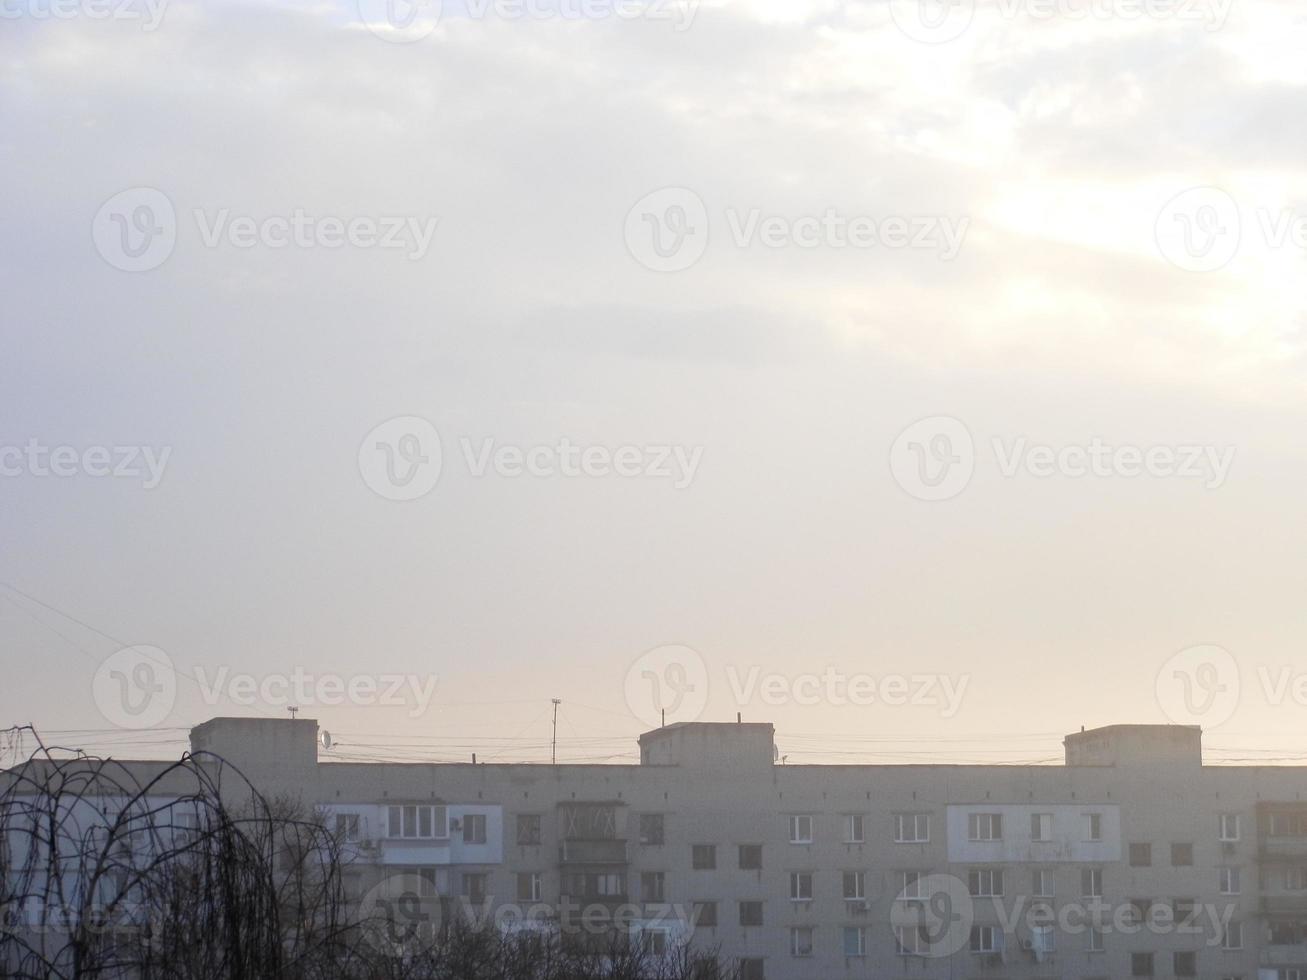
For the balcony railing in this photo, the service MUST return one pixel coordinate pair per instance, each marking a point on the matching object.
(1284, 905)
(592, 852)
(1284, 956)
(1282, 848)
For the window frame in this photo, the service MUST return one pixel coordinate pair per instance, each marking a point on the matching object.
(914, 817)
(796, 822)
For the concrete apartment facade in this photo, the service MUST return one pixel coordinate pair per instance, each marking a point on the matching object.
(1131, 859)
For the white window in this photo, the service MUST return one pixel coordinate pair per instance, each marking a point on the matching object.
(801, 941)
(185, 826)
(1042, 882)
(1041, 826)
(855, 886)
(1232, 938)
(855, 941)
(425, 880)
(853, 829)
(1093, 826)
(1295, 879)
(1228, 879)
(986, 939)
(1042, 939)
(911, 828)
(418, 822)
(1229, 826)
(911, 941)
(1091, 882)
(801, 886)
(528, 886)
(654, 941)
(910, 885)
(985, 826)
(985, 882)
(347, 827)
(800, 829)
(474, 828)
(610, 884)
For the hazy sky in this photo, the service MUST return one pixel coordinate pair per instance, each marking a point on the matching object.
(735, 253)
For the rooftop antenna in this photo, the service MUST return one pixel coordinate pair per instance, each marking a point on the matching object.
(293, 711)
(553, 745)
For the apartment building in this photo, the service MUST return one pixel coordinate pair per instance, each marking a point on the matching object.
(1130, 860)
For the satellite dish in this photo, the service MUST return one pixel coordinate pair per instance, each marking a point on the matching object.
(325, 739)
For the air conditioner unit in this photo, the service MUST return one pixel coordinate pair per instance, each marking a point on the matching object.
(455, 825)
(1027, 944)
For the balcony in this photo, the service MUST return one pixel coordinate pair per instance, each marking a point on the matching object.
(1282, 849)
(591, 902)
(1277, 956)
(609, 851)
(1284, 905)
